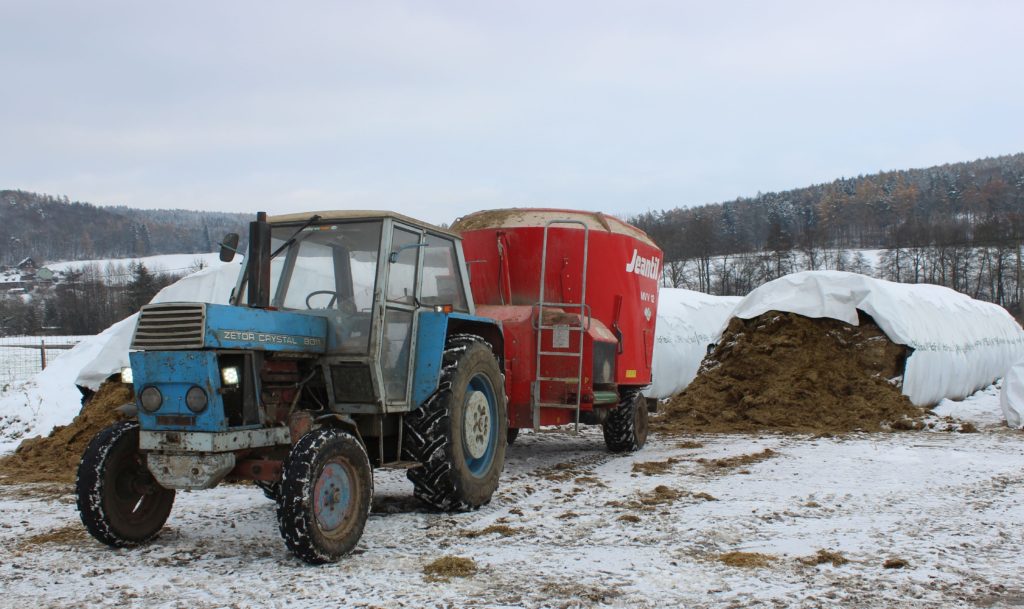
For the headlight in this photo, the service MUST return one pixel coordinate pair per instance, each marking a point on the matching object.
(126, 375)
(151, 399)
(196, 400)
(229, 375)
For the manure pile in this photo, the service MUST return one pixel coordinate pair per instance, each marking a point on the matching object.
(789, 373)
(55, 457)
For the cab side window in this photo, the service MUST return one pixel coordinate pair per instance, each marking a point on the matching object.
(402, 273)
(442, 279)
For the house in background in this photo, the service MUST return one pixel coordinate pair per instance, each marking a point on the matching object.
(27, 268)
(24, 276)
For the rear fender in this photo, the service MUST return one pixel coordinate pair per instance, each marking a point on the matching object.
(486, 328)
(431, 335)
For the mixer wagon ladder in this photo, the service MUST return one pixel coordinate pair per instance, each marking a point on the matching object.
(584, 324)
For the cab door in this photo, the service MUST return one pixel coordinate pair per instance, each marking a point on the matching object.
(404, 263)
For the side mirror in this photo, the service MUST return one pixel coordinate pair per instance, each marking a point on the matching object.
(229, 247)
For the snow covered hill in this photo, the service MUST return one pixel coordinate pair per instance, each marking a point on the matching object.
(164, 263)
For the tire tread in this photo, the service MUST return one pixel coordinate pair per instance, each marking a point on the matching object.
(428, 434)
(294, 512)
(89, 488)
(620, 430)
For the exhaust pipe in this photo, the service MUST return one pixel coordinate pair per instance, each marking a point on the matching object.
(259, 262)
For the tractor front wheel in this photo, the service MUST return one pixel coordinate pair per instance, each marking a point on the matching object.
(459, 436)
(625, 429)
(119, 501)
(324, 496)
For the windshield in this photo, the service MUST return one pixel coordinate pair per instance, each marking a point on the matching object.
(329, 268)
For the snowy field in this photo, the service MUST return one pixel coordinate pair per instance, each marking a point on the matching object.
(575, 526)
(161, 263)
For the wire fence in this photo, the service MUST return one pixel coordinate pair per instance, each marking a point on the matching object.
(22, 357)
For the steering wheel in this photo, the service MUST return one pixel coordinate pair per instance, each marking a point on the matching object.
(334, 298)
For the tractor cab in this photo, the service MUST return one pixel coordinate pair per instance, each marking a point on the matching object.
(371, 277)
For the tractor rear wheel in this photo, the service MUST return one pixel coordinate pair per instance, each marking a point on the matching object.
(325, 494)
(625, 429)
(118, 500)
(459, 436)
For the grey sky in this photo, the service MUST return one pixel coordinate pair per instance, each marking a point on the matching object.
(436, 109)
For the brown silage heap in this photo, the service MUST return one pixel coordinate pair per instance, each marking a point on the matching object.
(788, 373)
(55, 457)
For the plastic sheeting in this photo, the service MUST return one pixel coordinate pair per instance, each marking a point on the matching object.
(959, 344)
(687, 323)
(1011, 396)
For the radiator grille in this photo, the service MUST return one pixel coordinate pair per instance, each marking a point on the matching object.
(170, 326)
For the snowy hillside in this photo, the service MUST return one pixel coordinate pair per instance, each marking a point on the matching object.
(164, 263)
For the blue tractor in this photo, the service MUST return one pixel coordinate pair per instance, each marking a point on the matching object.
(351, 341)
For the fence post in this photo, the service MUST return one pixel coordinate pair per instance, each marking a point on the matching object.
(42, 352)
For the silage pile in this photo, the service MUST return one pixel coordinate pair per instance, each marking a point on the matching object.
(789, 373)
(55, 457)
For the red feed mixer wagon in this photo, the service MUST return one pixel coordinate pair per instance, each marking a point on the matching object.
(576, 294)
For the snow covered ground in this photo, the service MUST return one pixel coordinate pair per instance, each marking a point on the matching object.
(583, 528)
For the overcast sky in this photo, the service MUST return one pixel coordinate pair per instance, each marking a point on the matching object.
(436, 109)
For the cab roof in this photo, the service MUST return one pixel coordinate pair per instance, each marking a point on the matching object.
(343, 215)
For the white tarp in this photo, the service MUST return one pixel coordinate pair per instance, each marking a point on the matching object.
(959, 344)
(1011, 397)
(687, 323)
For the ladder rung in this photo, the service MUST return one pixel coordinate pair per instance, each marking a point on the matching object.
(565, 327)
(563, 353)
(557, 405)
(556, 379)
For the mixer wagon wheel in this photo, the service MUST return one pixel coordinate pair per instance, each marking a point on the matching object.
(118, 500)
(459, 435)
(625, 429)
(325, 495)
